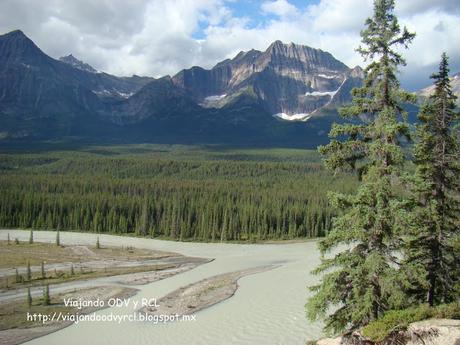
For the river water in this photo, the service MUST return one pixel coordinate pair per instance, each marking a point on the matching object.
(267, 309)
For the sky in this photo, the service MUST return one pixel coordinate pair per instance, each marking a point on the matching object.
(160, 37)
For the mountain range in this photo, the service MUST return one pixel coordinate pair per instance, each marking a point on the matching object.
(285, 95)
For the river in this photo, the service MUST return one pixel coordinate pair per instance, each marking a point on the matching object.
(267, 309)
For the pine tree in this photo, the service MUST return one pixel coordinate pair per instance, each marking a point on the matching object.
(29, 272)
(46, 295)
(144, 217)
(31, 237)
(17, 277)
(29, 298)
(357, 254)
(435, 204)
(58, 238)
(8, 239)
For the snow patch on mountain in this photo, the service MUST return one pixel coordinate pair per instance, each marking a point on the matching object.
(212, 101)
(293, 117)
(325, 93)
(108, 93)
(328, 76)
(214, 98)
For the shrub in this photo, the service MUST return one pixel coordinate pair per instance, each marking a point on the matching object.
(397, 320)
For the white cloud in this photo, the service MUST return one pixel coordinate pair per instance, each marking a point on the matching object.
(158, 37)
(334, 16)
(281, 8)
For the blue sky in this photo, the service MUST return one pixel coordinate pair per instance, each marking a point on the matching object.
(252, 11)
(160, 37)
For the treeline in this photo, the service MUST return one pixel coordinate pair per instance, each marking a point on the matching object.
(209, 200)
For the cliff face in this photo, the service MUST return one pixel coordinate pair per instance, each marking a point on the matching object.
(293, 82)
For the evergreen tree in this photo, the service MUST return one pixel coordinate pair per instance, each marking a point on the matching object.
(46, 295)
(8, 239)
(31, 237)
(435, 203)
(58, 238)
(43, 270)
(98, 244)
(17, 276)
(358, 253)
(29, 298)
(144, 218)
(29, 272)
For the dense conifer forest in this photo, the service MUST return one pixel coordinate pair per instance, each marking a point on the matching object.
(176, 192)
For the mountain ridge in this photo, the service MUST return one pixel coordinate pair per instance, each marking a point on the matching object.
(238, 100)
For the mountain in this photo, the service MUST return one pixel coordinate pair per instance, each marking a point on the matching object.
(429, 90)
(74, 62)
(292, 82)
(241, 100)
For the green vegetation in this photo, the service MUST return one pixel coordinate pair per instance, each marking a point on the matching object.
(398, 320)
(434, 206)
(29, 298)
(176, 192)
(46, 295)
(396, 243)
(360, 280)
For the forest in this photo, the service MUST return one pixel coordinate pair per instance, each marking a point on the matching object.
(174, 192)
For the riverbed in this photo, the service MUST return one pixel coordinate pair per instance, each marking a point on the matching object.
(267, 309)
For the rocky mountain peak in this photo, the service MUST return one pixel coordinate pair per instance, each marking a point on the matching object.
(310, 58)
(74, 62)
(16, 46)
(357, 72)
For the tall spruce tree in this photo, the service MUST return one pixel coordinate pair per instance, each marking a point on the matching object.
(435, 207)
(358, 270)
